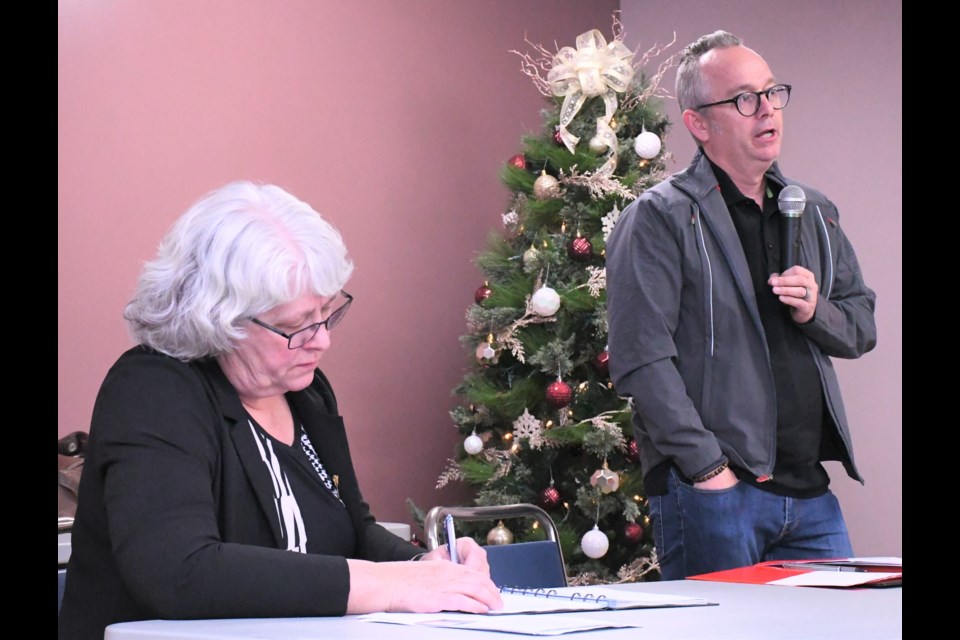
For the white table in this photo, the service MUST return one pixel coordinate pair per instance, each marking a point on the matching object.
(744, 612)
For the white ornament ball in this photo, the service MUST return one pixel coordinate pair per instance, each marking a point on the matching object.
(595, 543)
(545, 302)
(473, 444)
(647, 145)
(530, 256)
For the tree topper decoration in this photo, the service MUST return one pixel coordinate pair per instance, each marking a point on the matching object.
(594, 68)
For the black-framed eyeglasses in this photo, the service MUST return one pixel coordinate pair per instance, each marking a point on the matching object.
(748, 102)
(301, 337)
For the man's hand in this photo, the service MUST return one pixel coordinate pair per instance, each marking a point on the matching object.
(723, 480)
(796, 288)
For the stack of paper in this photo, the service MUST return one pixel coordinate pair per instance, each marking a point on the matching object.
(550, 624)
(833, 572)
(554, 605)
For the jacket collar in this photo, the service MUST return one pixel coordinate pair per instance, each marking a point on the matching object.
(237, 435)
(700, 183)
(698, 179)
(316, 406)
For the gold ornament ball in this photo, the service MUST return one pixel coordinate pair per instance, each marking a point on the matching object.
(546, 187)
(530, 256)
(500, 535)
(607, 481)
(598, 145)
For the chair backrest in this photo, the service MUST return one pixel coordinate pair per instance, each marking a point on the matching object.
(527, 565)
(61, 584)
(64, 531)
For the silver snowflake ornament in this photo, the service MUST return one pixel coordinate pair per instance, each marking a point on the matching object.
(528, 427)
(609, 221)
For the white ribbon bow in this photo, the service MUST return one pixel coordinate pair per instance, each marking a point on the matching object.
(594, 68)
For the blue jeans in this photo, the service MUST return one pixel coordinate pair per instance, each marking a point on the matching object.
(699, 531)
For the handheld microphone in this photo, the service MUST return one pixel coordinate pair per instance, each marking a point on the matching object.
(792, 202)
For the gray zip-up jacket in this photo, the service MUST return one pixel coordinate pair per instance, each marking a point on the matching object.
(686, 340)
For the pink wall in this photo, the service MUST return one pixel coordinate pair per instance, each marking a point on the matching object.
(843, 134)
(391, 118)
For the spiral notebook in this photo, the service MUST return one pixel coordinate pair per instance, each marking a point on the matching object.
(554, 604)
(587, 599)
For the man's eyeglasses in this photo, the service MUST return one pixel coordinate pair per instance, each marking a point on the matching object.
(748, 102)
(301, 337)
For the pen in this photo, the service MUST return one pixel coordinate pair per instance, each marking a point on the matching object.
(822, 567)
(451, 539)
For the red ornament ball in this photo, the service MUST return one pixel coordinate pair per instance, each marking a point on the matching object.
(559, 394)
(602, 362)
(580, 249)
(518, 161)
(557, 137)
(632, 532)
(549, 497)
(482, 293)
(633, 451)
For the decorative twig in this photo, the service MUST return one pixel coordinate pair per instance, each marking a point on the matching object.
(508, 337)
(532, 66)
(652, 88)
(597, 281)
(599, 184)
(452, 473)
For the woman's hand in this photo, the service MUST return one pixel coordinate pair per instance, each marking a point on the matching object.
(430, 585)
(470, 553)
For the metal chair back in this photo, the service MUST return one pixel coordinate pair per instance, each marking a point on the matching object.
(527, 565)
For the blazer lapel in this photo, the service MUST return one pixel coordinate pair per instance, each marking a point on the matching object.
(240, 441)
(328, 435)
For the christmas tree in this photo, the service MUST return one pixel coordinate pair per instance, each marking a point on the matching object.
(541, 419)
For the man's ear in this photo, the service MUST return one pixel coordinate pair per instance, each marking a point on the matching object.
(696, 124)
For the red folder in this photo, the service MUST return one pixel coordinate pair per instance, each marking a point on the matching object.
(832, 572)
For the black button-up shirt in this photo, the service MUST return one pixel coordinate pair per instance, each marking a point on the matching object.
(800, 404)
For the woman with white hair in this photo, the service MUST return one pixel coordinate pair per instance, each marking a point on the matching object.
(218, 481)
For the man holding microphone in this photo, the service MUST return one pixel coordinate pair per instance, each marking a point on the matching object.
(729, 289)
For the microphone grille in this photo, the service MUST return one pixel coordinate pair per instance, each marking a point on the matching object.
(792, 201)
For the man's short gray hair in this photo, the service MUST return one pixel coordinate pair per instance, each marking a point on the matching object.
(236, 253)
(691, 88)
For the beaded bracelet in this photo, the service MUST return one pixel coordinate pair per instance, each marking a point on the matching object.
(711, 474)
